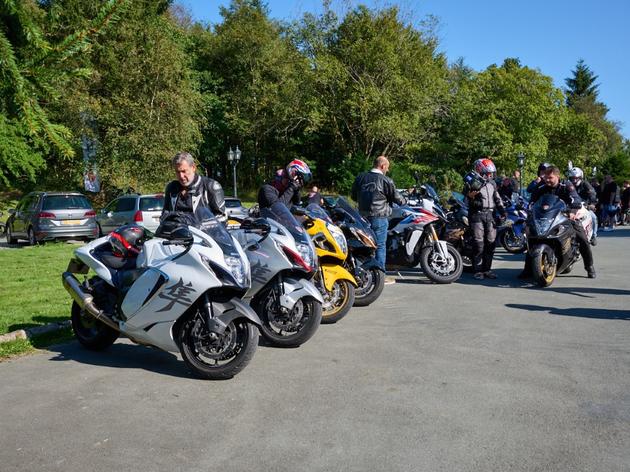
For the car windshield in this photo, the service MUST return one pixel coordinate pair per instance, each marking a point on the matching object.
(66, 202)
(232, 203)
(151, 203)
(280, 213)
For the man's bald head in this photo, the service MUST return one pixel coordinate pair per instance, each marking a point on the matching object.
(381, 163)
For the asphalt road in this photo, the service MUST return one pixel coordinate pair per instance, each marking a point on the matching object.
(480, 376)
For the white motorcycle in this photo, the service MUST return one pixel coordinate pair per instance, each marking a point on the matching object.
(282, 259)
(181, 295)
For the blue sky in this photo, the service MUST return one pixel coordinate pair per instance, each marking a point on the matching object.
(548, 35)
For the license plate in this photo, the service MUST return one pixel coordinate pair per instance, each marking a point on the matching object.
(70, 222)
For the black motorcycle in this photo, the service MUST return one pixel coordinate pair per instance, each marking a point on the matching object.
(552, 245)
(361, 250)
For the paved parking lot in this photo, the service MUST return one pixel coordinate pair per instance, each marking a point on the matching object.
(492, 375)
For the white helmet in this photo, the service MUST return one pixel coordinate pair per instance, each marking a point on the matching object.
(576, 175)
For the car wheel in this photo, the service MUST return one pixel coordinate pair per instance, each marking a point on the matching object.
(32, 240)
(9, 233)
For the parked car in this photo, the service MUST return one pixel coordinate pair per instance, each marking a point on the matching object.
(144, 210)
(45, 216)
(234, 207)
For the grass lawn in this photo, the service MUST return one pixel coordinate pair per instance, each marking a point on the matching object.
(31, 293)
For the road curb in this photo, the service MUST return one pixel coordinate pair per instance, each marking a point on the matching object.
(29, 333)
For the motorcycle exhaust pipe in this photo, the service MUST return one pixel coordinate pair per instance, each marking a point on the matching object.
(86, 301)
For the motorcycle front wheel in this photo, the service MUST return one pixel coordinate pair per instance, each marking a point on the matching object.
(288, 329)
(512, 243)
(214, 356)
(543, 269)
(337, 302)
(439, 269)
(370, 286)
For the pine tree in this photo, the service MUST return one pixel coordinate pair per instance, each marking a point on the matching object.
(582, 85)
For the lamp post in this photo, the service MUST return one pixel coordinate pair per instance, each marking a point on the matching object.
(521, 163)
(594, 172)
(233, 158)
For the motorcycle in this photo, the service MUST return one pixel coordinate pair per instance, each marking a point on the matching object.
(413, 238)
(181, 294)
(333, 280)
(511, 232)
(551, 240)
(362, 249)
(282, 260)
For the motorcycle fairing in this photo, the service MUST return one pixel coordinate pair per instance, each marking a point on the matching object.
(334, 272)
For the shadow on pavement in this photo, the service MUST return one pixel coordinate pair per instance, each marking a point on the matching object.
(124, 356)
(595, 313)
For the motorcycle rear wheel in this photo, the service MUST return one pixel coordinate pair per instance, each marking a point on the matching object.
(91, 333)
(212, 356)
(291, 329)
(438, 270)
(338, 302)
(543, 271)
(371, 283)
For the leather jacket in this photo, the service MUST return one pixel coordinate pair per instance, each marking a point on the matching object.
(375, 193)
(202, 191)
(565, 190)
(487, 199)
(587, 193)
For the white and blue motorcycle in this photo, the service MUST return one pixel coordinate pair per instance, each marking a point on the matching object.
(182, 294)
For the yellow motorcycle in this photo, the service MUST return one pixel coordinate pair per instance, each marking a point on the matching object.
(335, 283)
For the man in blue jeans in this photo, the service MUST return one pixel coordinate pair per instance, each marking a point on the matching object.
(375, 193)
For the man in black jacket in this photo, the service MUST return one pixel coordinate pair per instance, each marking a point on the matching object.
(375, 193)
(564, 190)
(191, 190)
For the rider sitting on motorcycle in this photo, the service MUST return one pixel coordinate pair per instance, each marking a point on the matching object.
(482, 200)
(286, 185)
(587, 194)
(564, 190)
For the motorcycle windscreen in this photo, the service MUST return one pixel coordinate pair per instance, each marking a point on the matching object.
(315, 211)
(356, 219)
(207, 223)
(548, 206)
(280, 213)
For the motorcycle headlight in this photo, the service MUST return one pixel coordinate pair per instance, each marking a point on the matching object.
(339, 237)
(543, 225)
(306, 253)
(237, 268)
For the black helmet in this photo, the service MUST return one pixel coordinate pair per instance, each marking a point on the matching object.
(543, 167)
(127, 240)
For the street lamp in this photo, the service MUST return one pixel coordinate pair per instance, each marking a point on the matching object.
(233, 158)
(521, 163)
(594, 172)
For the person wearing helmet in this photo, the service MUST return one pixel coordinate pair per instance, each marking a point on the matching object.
(587, 194)
(375, 193)
(565, 190)
(191, 190)
(286, 185)
(540, 175)
(483, 199)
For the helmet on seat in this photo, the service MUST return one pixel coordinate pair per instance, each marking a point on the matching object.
(576, 175)
(127, 240)
(484, 167)
(299, 169)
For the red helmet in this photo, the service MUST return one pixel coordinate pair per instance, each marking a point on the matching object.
(298, 168)
(127, 240)
(484, 166)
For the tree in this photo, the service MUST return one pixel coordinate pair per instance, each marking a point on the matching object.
(35, 72)
(582, 85)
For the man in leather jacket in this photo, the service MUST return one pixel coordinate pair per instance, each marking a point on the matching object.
(375, 193)
(564, 190)
(191, 190)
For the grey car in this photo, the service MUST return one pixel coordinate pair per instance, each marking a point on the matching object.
(144, 210)
(234, 207)
(46, 216)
